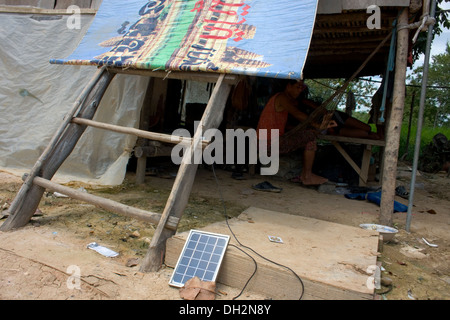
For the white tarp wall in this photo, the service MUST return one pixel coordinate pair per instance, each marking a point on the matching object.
(28, 122)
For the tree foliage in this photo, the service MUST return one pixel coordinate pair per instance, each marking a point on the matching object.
(442, 22)
(437, 103)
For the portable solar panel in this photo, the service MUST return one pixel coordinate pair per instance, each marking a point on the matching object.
(201, 257)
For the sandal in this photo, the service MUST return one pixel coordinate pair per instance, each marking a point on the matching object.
(401, 192)
(356, 196)
(266, 186)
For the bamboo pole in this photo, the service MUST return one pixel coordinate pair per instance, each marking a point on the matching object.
(106, 204)
(395, 123)
(181, 75)
(167, 138)
(144, 124)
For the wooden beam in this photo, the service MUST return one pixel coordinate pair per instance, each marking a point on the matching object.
(62, 144)
(363, 171)
(64, 4)
(344, 51)
(181, 75)
(347, 157)
(360, 29)
(352, 16)
(394, 124)
(365, 163)
(141, 165)
(178, 198)
(33, 10)
(372, 142)
(167, 138)
(350, 40)
(107, 204)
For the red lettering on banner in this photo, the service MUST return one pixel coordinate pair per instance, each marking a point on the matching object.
(225, 22)
(230, 13)
(239, 34)
(245, 10)
(219, 2)
(199, 5)
(211, 28)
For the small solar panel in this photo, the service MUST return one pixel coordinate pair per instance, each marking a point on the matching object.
(201, 257)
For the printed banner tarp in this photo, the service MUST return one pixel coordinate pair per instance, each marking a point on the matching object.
(253, 37)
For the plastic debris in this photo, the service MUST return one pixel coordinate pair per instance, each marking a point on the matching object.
(102, 250)
(275, 239)
(60, 195)
(430, 244)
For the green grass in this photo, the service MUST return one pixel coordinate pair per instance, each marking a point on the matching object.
(426, 137)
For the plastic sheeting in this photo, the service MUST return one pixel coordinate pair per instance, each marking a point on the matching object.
(251, 37)
(35, 96)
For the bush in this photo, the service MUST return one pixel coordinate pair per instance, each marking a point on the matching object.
(426, 137)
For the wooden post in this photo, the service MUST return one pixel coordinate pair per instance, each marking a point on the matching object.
(27, 200)
(181, 189)
(144, 125)
(395, 123)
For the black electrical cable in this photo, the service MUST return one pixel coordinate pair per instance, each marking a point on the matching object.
(237, 240)
(253, 274)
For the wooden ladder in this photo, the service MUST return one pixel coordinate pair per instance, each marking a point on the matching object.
(75, 123)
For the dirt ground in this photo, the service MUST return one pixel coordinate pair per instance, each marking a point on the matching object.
(48, 259)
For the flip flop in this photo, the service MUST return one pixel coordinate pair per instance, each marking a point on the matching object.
(266, 186)
(401, 192)
(237, 176)
(356, 196)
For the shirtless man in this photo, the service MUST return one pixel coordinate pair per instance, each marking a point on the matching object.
(275, 116)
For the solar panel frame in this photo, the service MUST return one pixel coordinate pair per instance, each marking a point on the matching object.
(201, 256)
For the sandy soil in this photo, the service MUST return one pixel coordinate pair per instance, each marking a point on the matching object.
(43, 259)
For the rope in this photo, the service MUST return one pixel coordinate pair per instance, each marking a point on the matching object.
(339, 92)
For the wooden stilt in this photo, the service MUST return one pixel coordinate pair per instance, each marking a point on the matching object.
(394, 124)
(181, 189)
(27, 200)
(141, 165)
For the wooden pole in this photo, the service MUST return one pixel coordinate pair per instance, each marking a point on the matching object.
(180, 75)
(141, 165)
(27, 200)
(395, 123)
(167, 138)
(106, 204)
(182, 186)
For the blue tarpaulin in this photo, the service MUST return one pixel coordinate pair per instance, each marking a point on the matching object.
(251, 37)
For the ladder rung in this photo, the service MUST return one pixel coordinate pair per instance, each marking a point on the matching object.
(107, 204)
(139, 133)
